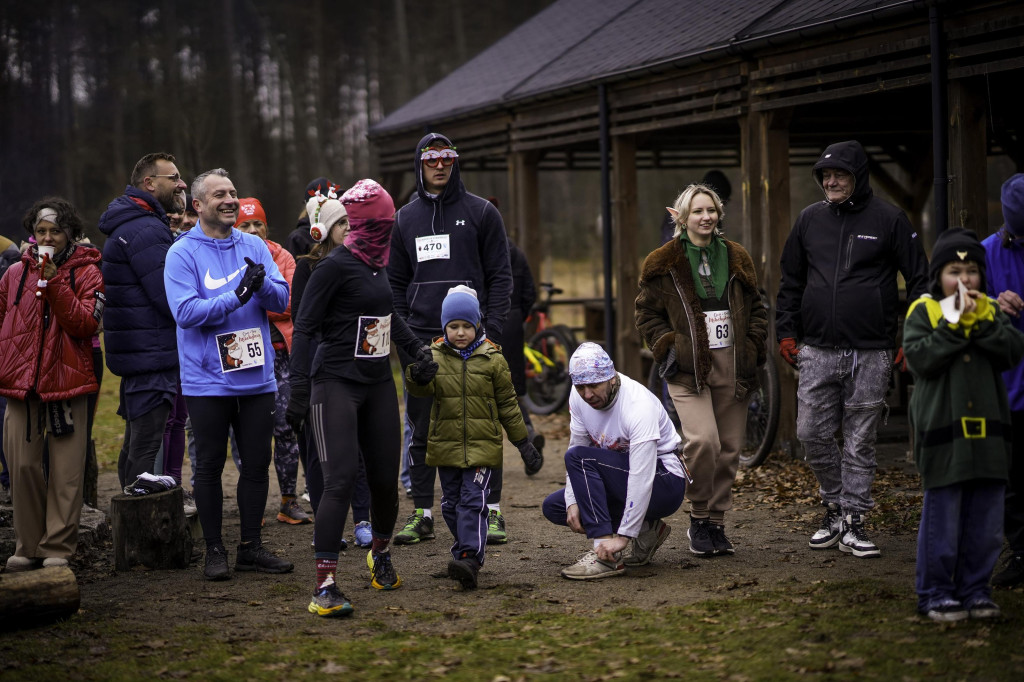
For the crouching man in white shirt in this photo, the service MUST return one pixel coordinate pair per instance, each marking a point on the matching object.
(622, 471)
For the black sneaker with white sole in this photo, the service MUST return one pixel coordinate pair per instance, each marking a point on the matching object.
(828, 534)
(718, 539)
(854, 539)
(700, 537)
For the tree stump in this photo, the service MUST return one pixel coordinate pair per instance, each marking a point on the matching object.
(150, 530)
(38, 597)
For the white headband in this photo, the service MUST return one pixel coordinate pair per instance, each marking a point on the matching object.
(47, 214)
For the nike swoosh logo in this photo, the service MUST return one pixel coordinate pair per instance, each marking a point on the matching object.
(218, 282)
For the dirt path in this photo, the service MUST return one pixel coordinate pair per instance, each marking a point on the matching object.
(774, 514)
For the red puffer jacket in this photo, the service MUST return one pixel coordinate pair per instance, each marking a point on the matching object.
(46, 341)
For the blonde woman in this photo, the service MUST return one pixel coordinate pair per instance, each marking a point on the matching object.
(700, 312)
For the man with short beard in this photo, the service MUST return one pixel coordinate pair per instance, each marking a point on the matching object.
(138, 326)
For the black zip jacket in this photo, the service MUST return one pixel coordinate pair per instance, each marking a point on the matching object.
(838, 287)
(479, 254)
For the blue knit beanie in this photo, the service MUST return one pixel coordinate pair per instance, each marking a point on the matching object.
(1012, 198)
(461, 303)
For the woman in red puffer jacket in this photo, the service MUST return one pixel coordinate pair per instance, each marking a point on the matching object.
(50, 306)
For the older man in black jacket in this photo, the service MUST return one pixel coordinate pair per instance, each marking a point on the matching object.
(836, 320)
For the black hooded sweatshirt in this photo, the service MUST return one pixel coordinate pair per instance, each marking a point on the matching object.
(478, 253)
(839, 264)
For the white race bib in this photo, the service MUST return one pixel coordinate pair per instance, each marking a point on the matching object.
(433, 247)
(720, 333)
(242, 349)
(373, 338)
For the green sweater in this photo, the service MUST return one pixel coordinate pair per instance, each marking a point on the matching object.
(473, 399)
(959, 412)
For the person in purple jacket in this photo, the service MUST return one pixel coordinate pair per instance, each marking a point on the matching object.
(1004, 262)
(220, 284)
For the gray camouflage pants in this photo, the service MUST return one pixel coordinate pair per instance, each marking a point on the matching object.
(842, 387)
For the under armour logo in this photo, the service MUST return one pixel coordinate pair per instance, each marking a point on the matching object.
(460, 222)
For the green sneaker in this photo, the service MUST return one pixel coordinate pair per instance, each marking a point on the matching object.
(496, 534)
(417, 528)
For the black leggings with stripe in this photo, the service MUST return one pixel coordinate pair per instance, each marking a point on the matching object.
(346, 417)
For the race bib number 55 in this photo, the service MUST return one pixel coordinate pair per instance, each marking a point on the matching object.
(241, 349)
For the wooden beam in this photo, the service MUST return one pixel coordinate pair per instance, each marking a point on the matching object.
(625, 226)
(968, 148)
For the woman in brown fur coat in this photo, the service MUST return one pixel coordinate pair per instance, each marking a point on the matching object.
(700, 312)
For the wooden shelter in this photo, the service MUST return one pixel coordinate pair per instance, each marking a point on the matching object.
(758, 84)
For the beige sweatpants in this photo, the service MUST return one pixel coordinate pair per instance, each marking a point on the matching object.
(714, 426)
(46, 513)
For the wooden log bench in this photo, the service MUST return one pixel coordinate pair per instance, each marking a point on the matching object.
(150, 530)
(39, 597)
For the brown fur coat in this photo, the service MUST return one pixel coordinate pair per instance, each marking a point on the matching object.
(668, 315)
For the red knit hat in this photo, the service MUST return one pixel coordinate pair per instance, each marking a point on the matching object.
(250, 208)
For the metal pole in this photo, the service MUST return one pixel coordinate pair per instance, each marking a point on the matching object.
(940, 135)
(606, 222)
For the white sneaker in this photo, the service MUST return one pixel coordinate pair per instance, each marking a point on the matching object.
(189, 503)
(589, 567)
(54, 561)
(20, 563)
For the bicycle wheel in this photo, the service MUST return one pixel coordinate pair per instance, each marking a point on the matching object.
(571, 344)
(762, 417)
(547, 390)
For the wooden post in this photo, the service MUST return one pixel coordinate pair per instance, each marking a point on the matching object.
(625, 227)
(751, 233)
(523, 224)
(150, 530)
(32, 598)
(968, 155)
(765, 139)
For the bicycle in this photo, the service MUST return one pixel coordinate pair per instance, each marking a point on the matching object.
(547, 355)
(762, 410)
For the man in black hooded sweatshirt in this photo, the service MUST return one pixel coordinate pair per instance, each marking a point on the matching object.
(836, 320)
(443, 237)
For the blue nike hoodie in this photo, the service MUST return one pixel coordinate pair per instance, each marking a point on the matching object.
(200, 277)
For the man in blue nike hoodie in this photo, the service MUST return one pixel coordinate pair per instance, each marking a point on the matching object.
(442, 238)
(220, 284)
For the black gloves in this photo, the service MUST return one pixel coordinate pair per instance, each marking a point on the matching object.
(298, 407)
(669, 367)
(532, 459)
(424, 369)
(251, 282)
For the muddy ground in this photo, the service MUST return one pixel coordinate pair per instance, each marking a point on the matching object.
(775, 512)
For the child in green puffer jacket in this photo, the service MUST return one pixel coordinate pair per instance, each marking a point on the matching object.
(473, 400)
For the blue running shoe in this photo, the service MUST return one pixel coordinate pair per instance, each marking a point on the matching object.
(364, 534)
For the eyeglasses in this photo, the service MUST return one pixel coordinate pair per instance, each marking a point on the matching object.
(174, 178)
(433, 157)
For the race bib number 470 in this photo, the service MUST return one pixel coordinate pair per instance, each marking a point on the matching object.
(432, 247)
(241, 349)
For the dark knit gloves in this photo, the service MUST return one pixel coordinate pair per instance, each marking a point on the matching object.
(668, 367)
(424, 369)
(532, 459)
(298, 407)
(251, 282)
